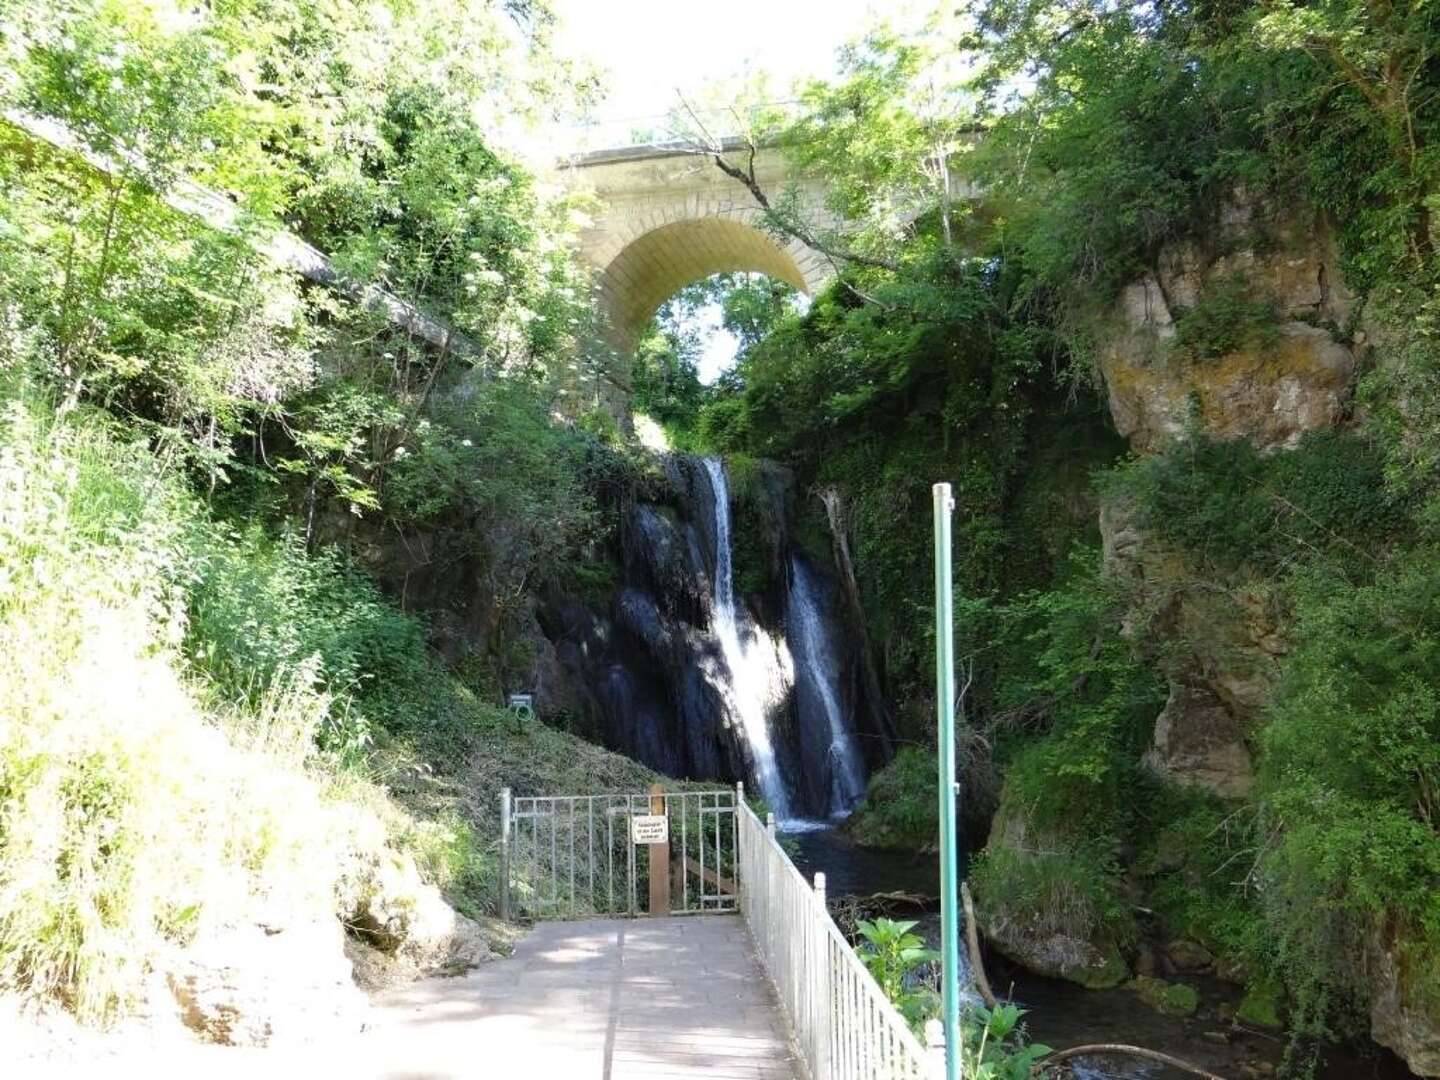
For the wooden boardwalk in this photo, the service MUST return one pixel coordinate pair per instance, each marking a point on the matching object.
(605, 999)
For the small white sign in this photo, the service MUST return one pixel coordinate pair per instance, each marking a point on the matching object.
(649, 829)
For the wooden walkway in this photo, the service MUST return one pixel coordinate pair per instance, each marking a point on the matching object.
(605, 999)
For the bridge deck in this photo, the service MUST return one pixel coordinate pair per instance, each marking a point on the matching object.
(607, 999)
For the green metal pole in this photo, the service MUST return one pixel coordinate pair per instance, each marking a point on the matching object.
(945, 715)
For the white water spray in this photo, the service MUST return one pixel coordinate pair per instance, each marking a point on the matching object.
(813, 648)
(748, 677)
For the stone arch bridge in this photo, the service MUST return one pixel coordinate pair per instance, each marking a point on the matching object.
(666, 216)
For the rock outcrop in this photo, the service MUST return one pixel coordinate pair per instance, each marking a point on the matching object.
(1046, 938)
(1220, 679)
(1271, 392)
(255, 985)
(1404, 1014)
(408, 921)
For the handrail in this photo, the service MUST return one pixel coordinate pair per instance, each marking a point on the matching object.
(844, 1025)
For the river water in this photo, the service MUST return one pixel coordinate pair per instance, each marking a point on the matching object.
(1062, 1014)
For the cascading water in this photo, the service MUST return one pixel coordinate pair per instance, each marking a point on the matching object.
(817, 664)
(747, 678)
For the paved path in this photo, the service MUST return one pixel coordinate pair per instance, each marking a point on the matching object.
(605, 999)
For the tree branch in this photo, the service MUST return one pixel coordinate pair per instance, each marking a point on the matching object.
(1120, 1048)
(746, 176)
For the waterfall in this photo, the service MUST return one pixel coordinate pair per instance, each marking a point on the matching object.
(747, 678)
(812, 644)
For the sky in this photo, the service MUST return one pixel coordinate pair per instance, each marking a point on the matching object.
(650, 49)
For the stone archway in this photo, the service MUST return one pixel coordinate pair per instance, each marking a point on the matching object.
(666, 217)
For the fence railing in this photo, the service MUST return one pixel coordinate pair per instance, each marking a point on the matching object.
(573, 856)
(845, 1027)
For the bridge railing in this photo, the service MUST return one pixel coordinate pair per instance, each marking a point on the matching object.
(845, 1026)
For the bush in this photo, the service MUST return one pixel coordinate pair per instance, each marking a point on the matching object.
(901, 807)
(1348, 785)
(1060, 890)
(130, 816)
(261, 609)
(1226, 319)
(1224, 502)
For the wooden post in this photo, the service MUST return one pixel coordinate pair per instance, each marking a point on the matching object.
(659, 860)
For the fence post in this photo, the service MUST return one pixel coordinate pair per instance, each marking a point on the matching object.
(820, 979)
(770, 824)
(945, 752)
(505, 854)
(739, 848)
(660, 860)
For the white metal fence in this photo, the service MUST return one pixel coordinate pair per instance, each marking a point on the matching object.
(845, 1026)
(572, 856)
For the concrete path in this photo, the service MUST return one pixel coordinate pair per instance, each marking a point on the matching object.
(606, 999)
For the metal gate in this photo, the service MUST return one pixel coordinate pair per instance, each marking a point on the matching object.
(575, 856)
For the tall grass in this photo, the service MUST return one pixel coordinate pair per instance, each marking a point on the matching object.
(135, 810)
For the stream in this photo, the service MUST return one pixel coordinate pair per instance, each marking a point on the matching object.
(1062, 1014)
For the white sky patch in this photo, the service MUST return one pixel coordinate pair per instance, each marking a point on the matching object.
(718, 354)
(652, 48)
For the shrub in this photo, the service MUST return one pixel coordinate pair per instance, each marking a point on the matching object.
(1227, 318)
(1348, 785)
(1226, 503)
(901, 807)
(139, 803)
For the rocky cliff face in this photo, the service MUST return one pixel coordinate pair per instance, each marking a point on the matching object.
(1279, 362)
(653, 678)
(1271, 388)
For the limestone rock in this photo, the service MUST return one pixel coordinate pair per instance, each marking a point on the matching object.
(1041, 944)
(1270, 394)
(1189, 956)
(403, 917)
(1199, 743)
(1402, 1015)
(1221, 680)
(255, 985)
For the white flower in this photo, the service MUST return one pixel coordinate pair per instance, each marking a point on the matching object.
(466, 442)
(400, 451)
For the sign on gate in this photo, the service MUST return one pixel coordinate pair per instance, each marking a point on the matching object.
(649, 829)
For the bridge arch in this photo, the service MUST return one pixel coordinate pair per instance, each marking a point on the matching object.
(657, 260)
(665, 217)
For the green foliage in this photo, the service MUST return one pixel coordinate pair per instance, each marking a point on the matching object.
(892, 954)
(1061, 667)
(993, 1044)
(935, 379)
(1066, 888)
(261, 609)
(136, 807)
(901, 807)
(1224, 503)
(1349, 783)
(1194, 852)
(1227, 318)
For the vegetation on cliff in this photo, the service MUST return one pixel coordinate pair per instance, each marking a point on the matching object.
(1113, 144)
(207, 467)
(211, 713)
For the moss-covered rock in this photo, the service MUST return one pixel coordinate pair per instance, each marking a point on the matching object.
(1172, 999)
(1050, 905)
